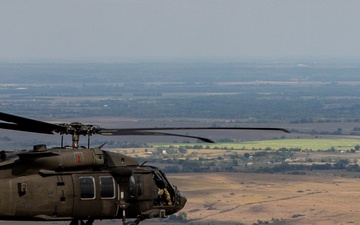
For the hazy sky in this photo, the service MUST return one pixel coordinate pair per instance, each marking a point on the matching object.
(178, 29)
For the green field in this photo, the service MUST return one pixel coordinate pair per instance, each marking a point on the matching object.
(303, 144)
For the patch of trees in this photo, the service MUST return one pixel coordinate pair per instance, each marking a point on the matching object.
(260, 162)
(342, 164)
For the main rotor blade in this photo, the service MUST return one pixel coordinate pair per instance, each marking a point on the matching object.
(25, 124)
(10, 126)
(124, 132)
(154, 131)
(200, 128)
(30, 125)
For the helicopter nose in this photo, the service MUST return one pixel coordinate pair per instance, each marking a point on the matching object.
(182, 200)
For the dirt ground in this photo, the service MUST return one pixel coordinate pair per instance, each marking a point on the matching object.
(235, 198)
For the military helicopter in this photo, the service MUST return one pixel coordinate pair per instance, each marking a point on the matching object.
(83, 184)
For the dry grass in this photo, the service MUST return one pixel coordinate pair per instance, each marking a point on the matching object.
(234, 198)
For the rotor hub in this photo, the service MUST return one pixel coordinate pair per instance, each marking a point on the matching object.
(77, 128)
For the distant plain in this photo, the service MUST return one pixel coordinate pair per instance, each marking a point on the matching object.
(319, 103)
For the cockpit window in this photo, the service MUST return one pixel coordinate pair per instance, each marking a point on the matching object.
(139, 185)
(164, 193)
(136, 186)
(160, 177)
(132, 186)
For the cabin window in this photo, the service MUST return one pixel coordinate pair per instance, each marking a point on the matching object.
(87, 188)
(107, 187)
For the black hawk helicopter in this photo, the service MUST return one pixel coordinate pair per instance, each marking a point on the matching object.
(81, 184)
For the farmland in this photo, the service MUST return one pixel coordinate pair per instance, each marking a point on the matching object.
(242, 92)
(304, 144)
(310, 176)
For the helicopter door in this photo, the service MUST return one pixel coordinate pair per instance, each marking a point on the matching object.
(94, 196)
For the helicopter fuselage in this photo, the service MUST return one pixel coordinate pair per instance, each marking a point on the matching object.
(82, 184)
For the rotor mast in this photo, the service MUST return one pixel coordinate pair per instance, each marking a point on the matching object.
(75, 130)
(75, 140)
